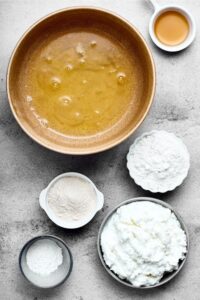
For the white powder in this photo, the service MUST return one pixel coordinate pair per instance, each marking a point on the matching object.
(158, 161)
(141, 241)
(72, 199)
(44, 257)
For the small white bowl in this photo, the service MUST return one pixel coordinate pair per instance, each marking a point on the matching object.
(58, 221)
(160, 10)
(149, 184)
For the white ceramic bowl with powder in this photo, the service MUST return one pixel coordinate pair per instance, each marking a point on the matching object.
(158, 161)
(65, 200)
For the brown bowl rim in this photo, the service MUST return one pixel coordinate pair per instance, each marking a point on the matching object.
(94, 149)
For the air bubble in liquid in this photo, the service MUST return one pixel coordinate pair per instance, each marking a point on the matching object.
(29, 98)
(93, 43)
(69, 67)
(55, 83)
(121, 78)
(66, 100)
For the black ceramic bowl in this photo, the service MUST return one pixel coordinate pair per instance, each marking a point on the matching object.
(55, 278)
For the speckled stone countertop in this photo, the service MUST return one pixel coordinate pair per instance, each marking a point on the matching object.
(26, 168)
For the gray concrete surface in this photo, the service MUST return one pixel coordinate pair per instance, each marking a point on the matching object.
(26, 168)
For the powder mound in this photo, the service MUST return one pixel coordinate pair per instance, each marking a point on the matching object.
(141, 241)
(72, 199)
(158, 161)
(44, 257)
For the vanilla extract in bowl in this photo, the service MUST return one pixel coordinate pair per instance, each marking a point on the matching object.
(171, 28)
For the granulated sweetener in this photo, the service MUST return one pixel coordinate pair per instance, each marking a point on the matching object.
(44, 257)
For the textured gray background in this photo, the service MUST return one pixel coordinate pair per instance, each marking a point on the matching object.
(26, 168)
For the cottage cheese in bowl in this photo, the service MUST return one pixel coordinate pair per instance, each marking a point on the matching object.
(141, 241)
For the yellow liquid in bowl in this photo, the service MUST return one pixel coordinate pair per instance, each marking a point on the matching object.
(79, 83)
(171, 28)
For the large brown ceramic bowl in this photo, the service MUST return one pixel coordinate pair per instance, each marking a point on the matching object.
(83, 18)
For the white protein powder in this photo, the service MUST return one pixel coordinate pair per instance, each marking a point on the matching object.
(141, 241)
(158, 161)
(44, 257)
(72, 199)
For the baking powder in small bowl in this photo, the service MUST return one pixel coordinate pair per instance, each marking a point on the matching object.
(46, 261)
(44, 257)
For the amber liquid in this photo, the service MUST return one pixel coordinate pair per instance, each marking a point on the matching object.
(171, 28)
(79, 83)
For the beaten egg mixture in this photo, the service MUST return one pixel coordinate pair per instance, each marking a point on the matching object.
(79, 83)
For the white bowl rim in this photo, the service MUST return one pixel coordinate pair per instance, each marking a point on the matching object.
(44, 203)
(184, 11)
(139, 183)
